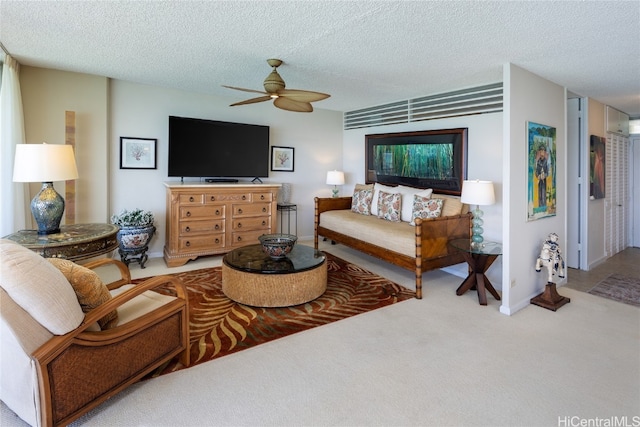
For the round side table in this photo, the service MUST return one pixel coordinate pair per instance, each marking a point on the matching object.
(74, 242)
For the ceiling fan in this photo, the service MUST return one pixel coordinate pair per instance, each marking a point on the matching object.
(286, 99)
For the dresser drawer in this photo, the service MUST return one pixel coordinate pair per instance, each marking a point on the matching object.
(252, 209)
(259, 223)
(201, 243)
(244, 238)
(190, 199)
(191, 228)
(202, 212)
(262, 197)
(227, 197)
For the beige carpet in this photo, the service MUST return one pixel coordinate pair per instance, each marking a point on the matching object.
(440, 361)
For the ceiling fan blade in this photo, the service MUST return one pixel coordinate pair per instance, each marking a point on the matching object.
(245, 90)
(288, 104)
(303, 95)
(252, 100)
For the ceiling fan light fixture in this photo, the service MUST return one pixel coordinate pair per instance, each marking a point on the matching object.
(285, 99)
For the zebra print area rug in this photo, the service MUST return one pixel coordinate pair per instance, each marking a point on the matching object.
(220, 326)
(618, 287)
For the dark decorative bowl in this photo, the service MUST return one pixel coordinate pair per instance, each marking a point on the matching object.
(277, 246)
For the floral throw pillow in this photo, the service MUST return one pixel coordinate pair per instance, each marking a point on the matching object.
(425, 207)
(389, 206)
(361, 202)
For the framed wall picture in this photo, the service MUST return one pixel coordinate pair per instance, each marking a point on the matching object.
(137, 153)
(425, 159)
(282, 159)
(597, 172)
(541, 181)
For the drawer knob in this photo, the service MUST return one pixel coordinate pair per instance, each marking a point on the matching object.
(217, 240)
(264, 222)
(239, 225)
(262, 197)
(187, 244)
(217, 212)
(244, 197)
(239, 239)
(188, 213)
(187, 229)
(213, 198)
(264, 209)
(217, 227)
(191, 199)
(239, 211)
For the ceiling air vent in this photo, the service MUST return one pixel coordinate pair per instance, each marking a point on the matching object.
(387, 114)
(477, 100)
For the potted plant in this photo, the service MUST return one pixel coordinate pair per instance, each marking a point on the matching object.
(136, 230)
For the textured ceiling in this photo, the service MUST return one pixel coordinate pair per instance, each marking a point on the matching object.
(363, 53)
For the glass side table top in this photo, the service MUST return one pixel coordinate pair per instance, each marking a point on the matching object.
(488, 248)
(251, 259)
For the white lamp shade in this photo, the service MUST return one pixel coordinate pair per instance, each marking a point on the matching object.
(476, 192)
(335, 178)
(44, 163)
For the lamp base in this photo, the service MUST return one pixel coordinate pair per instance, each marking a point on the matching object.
(335, 191)
(47, 208)
(477, 230)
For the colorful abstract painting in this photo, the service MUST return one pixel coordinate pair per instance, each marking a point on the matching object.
(541, 171)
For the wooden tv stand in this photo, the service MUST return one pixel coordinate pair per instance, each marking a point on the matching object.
(213, 219)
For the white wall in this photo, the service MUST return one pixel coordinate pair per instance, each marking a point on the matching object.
(484, 162)
(528, 97)
(142, 111)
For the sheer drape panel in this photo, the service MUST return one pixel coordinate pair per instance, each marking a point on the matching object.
(13, 196)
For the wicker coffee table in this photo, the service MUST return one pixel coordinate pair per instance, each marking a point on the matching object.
(252, 278)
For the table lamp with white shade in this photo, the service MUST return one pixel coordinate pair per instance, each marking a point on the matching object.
(479, 193)
(45, 163)
(335, 178)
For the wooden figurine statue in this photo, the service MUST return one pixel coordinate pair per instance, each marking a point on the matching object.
(551, 258)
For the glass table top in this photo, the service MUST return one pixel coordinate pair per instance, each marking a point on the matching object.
(251, 259)
(487, 248)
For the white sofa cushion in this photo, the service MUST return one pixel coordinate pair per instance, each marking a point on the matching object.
(377, 188)
(39, 288)
(21, 335)
(407, 200)
(140, 305)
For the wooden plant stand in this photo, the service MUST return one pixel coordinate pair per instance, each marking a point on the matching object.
(550, 299)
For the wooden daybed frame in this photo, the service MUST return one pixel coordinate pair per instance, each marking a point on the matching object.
(432, 238)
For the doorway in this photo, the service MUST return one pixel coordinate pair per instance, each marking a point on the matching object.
(575, 203)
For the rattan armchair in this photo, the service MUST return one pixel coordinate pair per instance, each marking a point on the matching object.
(52, 379)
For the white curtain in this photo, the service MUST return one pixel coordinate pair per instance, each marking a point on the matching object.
(13, 196)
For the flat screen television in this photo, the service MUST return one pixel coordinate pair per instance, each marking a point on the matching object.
(214, 149)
